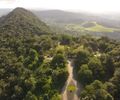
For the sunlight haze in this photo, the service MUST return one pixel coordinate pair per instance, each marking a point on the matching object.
(94, 6)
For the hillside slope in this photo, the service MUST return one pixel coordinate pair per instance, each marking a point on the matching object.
(22, 21)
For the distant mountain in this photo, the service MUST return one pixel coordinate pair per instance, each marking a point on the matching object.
(22, 21)
(59, 16)
(82, 23)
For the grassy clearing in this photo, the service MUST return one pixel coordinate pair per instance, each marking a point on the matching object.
(91, 27)
(99, 28)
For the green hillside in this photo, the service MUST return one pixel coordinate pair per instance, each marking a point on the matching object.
(22, 21)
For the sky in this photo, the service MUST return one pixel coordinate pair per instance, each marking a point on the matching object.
(94, 6)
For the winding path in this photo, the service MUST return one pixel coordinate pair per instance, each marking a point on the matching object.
(66, 94)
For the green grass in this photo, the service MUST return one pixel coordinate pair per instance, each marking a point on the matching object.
(92, 27)
(99, 28)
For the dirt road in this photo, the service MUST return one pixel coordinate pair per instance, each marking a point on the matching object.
(69, 94)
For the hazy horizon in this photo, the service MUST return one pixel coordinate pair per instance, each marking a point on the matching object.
(91, 6)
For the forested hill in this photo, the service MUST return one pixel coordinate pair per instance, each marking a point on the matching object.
(22, 21)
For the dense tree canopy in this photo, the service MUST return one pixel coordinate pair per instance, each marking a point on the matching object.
(34, 67)
(95, 91)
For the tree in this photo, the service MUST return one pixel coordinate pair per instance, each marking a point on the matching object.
(58, 61)
(66, 39)
(33, 60)
(108, 65)
(56, 97)
(82, 57)
(85, 75)
(95, 91)
(46, 44)
(30, 96)
(59, 78)
(103, 44)
(116, 82)
(111, 88)
(97, 69)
